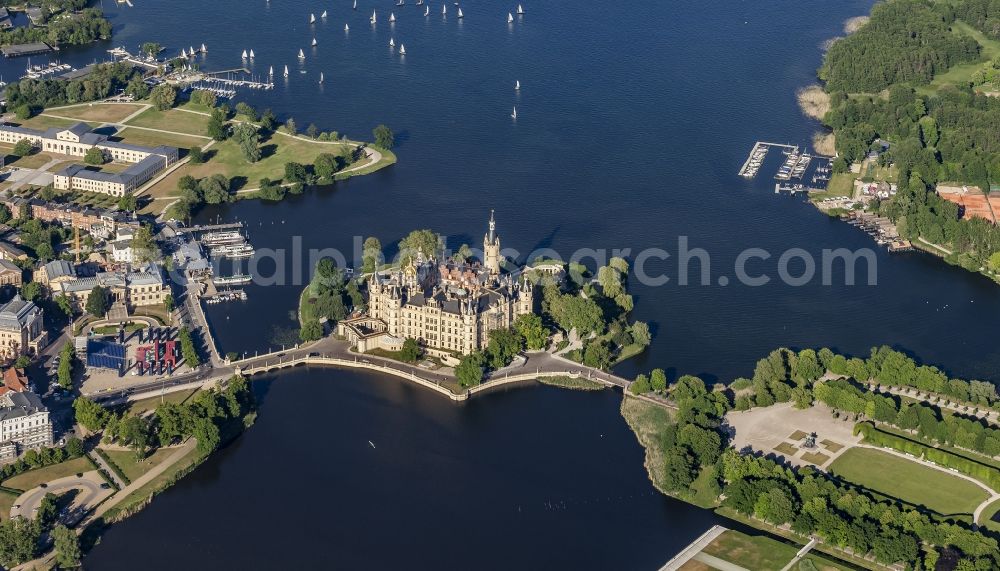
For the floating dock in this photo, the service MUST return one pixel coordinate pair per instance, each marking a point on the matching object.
(756, 157)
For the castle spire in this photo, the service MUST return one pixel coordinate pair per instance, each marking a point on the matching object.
(493, 227)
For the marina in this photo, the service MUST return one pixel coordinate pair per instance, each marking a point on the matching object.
(796, 166)
(227, 295)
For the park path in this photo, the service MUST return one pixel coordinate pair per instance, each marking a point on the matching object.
(802, 553)
(694, 548)
(141, 481)
(100, 461)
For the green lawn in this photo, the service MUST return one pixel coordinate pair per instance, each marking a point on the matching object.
(909, 481)
(33, 478)
(42, 122)
(157, 484)
(963, 73)
(987, 517)
(125, 459)
(152, 138)
(33, 161)
(841, 184)
(172, 120)
(579, 384)
(145, 405)
(7, 500)
(97, 112)
(762, 553)
(113, 329)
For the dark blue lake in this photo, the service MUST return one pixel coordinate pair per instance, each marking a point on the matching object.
(633, 121)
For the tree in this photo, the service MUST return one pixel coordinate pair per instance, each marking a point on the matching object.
(249, 140)
(150, 49)
(144, 248)
(312, 131)
(678, 469)
(97, 301)
(22, 362)
(503, 346)
(383, 137)
(534, 332)
(137, 88)
(196, 156)
(163, 96)
(216, 128)
(5, 214)
(23, 111)
(128, 202)
(640, 385)
(640, 334)
(658, 380)
(18, 541)
(168, 303)
(90, 415)
(188, 350)
(290, 126)
(246, 110)
(23, 148)
(268, 121)
(419, 242)
(371, 255)
(94, 156)
(470, 369)
(311, 331)
(31, 291)
(410, 351)
(295, 172)
(597, 354)
(134, 431)
(67, 355)
(325, 166)
(215, 189)
(67, 547)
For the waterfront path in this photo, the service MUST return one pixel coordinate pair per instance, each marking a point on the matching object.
(100, 461)
(694, 548)
(802, 553)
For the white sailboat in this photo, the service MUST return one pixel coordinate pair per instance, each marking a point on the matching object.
(244, 54)
(312, 18)
(183, 53)
(321, 77)
(314, 42)
(460, 14)
(427, 10)
(444, 9)
(520, 10)
(510, 17)
(514, 114)
(270, 71)
(302, 54)
(402, 50)
(204, 50)
(374, 17)
(392, 17)
(323, 15)
(355, 4)
(347, 28)
(286, 71)
(392, 42)
(517, 85)
(251, 54)
(191, 52)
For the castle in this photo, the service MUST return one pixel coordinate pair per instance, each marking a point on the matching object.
(449, 307)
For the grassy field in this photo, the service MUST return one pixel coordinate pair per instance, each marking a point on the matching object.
(32, 161)
(963, 73)
(152, 138)
(125, 459)
(841, 184)
(41, 122)
(909, 481)
(146, 405)
(227, 159)
(786, 449)
(97, 112)
(760, 553)
(157, 484)
(7, 500)
(990, 517)
(172, 120)
(33, 478)
(572, 383)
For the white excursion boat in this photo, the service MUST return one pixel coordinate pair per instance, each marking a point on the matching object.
(233, 251)
(235, 279)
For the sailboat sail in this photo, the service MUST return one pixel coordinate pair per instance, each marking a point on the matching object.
(520, 10)
(510, 17)
(460, 14)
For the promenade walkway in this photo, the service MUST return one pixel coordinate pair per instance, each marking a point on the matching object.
(694, 549)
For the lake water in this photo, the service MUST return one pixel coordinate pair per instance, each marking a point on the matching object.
(632, 124)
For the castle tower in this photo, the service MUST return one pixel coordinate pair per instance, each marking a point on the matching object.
(491, 248)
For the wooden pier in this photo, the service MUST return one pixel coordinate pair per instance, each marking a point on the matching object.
(214, 227)
(746, 170)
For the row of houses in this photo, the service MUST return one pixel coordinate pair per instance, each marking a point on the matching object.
(24, 420)
(99, 222)
(76, 140)
(135, 287)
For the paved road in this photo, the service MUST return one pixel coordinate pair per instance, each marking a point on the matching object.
(90, 494)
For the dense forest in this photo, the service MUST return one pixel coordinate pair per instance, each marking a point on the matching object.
(106, 79)
(906, 41)
(65, 29)
(949, 136)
